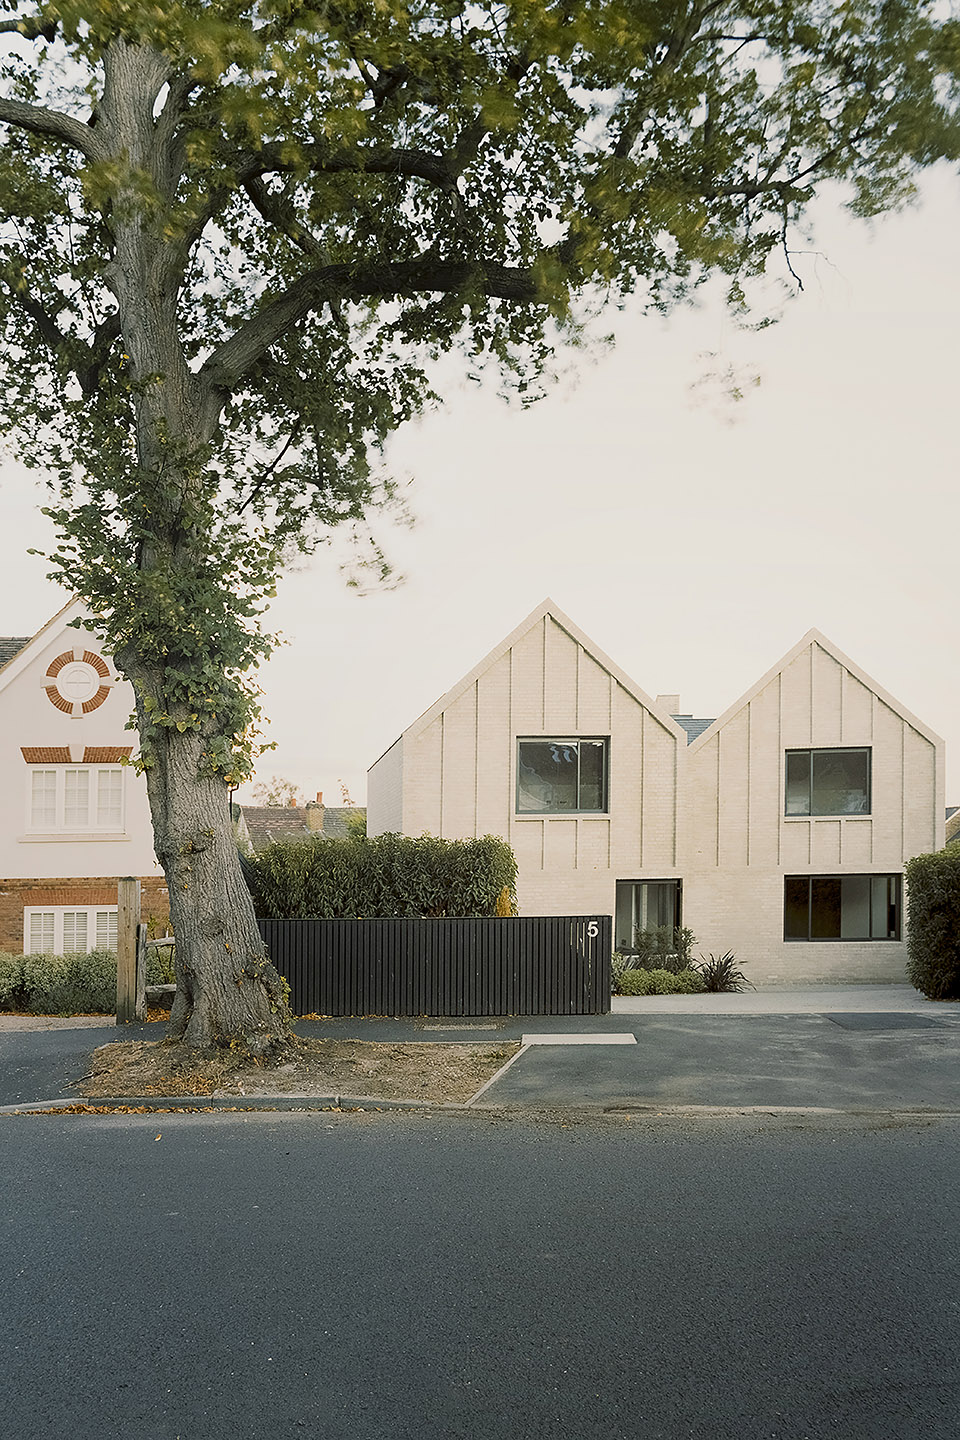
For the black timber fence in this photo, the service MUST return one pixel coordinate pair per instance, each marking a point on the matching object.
(527, 965)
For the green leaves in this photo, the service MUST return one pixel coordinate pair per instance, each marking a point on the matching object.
(390, 875)
(234, 238)
(933, 936)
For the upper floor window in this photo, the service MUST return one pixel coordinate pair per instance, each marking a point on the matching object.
(561, 777)
(76, 797)
(828, 782)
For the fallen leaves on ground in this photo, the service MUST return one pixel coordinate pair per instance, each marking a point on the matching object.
(415, 1071)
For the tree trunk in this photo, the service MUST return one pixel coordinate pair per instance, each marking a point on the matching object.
(228, 993)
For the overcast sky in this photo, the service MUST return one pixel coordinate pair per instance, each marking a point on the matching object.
(693, 538)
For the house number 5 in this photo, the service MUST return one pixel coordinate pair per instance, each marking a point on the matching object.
(593, 929)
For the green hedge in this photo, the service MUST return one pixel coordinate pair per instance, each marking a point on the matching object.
(660, 982)
(66, 984)
(390, 875)
(933, 934)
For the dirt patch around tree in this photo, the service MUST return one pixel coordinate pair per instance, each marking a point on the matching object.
(414, 1071)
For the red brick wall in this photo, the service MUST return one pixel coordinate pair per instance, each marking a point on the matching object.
(15, 895)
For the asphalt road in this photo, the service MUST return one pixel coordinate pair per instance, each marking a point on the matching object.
(405, 1276)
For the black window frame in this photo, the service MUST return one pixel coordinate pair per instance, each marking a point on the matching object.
(571, 740)
(674, 881)
(810, 751)
(894, 908)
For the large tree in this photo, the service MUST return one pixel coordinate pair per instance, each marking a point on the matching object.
(235, 236)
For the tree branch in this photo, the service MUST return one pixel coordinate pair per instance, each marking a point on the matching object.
(417, 164)
(51, 123)
(47, 328)
(85, 361)
(428, 275)
(31, 27)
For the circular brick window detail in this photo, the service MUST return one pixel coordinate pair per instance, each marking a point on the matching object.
(81, 682)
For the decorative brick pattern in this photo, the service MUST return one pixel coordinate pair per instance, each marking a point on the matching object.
(55, 666)
(96, 700)
(56, 699)
(98, 664)
(16, 895)
(46, 754)
(106, 754)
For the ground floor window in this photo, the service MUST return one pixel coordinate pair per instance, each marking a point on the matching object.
(60, 930)
(645, 905)
(841, 907)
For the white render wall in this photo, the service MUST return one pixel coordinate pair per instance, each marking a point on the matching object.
(27, 718)
(456, 770)
(385, 792)
(738, 844)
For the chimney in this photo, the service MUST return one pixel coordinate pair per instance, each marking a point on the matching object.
(314, 814)
(670, 703)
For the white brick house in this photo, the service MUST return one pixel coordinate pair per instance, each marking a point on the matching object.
(779, 830)
(75, 816)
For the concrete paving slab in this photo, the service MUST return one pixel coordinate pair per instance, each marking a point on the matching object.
(609, 1038)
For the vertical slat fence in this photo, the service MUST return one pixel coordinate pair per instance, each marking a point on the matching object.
(527, 965)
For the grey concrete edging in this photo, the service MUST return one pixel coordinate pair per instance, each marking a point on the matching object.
(231, 1102)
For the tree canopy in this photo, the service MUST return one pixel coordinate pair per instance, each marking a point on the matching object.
(234, 237)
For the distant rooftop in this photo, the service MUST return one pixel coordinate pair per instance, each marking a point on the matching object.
(11, 645)
(267, 824)
(693, 725)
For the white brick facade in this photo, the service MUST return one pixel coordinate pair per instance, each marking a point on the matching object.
(710, 815)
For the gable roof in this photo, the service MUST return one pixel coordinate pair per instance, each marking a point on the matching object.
(546, 609)
(21, 649)
(816, 637)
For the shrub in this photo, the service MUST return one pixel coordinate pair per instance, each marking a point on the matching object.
(11, 981)
(46, 982)
(665, 947)
(390, 875)
(649, 982)
(619, 964)
(636, 982)
(690, 981)
(933, 935)
(720, 973)
(66, 984)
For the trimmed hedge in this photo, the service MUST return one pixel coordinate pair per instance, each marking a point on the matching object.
(933, 933)
(66, 984)
(660, 982)
(388, 876)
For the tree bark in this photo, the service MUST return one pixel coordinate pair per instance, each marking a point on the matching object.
(228, 993)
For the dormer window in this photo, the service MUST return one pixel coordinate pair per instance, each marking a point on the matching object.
(828, 782)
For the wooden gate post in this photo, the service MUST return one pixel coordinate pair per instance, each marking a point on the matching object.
(128, 919)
